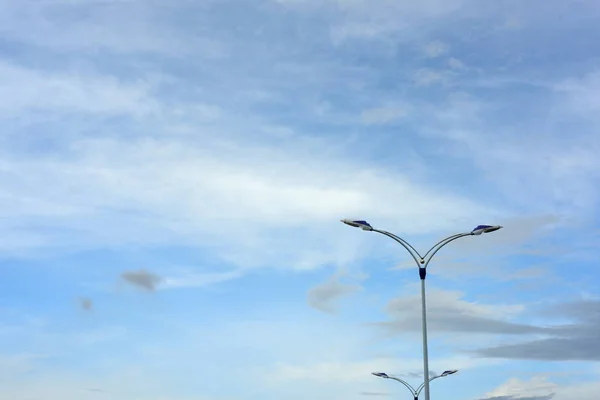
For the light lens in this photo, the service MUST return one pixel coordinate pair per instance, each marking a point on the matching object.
(358, 223)
(479, 229)
(380, 374)
(449, 372)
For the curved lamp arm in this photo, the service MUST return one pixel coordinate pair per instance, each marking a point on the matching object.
(408, 386)
(413, 252)
(422, 385)
(422, 261)
(442, 243)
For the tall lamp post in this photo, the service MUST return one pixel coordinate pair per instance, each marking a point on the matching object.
(415, 392)
(422, 263)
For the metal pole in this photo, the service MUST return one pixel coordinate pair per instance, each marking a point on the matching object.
(422, 273)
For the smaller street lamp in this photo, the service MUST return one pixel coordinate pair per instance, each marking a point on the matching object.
(415, 392)
(422, 263)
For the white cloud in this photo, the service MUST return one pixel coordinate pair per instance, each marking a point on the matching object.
(540, 386)
(376, 19)
(428, 77)
(455, 63)
(581, 391)
(121, 27)
(512, 23)
(33, 90)
(195, 279)
(234, 197)
(383, 115)
(550, 166)
(583, 92)
(435, 49)
(517, 388)
(325, 296)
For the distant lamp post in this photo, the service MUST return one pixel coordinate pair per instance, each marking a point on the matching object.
(422, 263)
(415, 392)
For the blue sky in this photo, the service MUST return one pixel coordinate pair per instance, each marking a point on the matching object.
(173, 173)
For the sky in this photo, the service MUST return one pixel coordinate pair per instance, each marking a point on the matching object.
(173, 174)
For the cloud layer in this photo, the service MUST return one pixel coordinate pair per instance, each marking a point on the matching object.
(575, 341)
(205, 152)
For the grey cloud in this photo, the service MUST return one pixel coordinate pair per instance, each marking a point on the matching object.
(324, 297)
(576, 341)
(86, 304)
(573, 342)
(553, 349)
(461, 323)
(96, 390)
(584, 310)
(447, 312)
(142, 279)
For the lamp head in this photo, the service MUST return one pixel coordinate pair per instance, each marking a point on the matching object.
(357, 223)
(380, 374)
(449, 372)
(479, 229)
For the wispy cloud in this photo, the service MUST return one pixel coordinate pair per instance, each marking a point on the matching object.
(383, 115)
(122, 27)
(428, 76)
(435, 49)
(325, 296)
(196, 279)
(538, 388)
(176, 200)
(582, 93)
(379, 19)
(41, 91)
(455, 63)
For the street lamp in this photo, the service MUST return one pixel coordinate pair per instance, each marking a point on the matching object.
(415, 392)
(422, 263)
